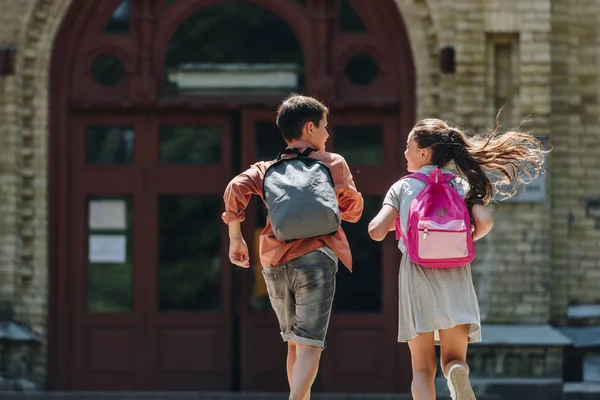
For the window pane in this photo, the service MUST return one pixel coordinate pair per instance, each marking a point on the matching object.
(109, 144)
(360, 145)
(108, 70)
(350, 21)
(190, 145)
(109, 254)
(362, 69)
(360, 291)
(234, 46)
(269, 142)
(120, 20)
(189, 252)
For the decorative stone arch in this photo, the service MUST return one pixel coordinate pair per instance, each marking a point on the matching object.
(32, 116)
(32, 78)
(420, 26)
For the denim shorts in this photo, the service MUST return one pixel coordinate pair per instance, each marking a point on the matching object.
(301, 293)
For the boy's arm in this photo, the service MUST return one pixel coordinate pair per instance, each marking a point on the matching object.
(236, 198)
(350, 201)
(238, 249)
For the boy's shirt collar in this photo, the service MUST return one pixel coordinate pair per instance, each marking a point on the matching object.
(300, 144)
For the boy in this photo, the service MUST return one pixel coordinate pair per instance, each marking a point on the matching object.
(300, 274)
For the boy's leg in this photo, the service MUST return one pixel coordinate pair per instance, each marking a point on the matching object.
(282, 301)
(305, 371)
(312, 279)
(291, 360)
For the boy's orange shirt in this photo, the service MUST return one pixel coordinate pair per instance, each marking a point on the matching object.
(272, 251)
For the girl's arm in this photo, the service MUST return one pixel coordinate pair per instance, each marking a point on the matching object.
(383, 222)
(484, 221)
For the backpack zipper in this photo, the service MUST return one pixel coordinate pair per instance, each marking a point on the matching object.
(427, 230)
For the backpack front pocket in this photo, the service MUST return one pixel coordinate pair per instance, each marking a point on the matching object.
(442, 241)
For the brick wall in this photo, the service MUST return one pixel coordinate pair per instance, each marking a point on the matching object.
(12, 20)
(539, 258)
(30, 26)
(512, 272)
(576, 176)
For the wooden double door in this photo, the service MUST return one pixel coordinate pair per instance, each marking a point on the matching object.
(151, 301)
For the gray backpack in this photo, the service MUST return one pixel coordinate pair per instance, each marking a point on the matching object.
(299, 196)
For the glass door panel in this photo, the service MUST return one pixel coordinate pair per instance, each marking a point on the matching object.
(106, 205)
(188, 275)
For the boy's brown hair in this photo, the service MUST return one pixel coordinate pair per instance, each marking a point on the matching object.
(295, 111)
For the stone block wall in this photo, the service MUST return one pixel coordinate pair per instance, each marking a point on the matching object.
(575, 122)
(503, 58)
(540, 58)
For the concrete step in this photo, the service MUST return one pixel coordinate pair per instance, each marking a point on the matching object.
(204, 396)
(581, 391)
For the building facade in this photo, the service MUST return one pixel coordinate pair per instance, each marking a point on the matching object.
(123, 120)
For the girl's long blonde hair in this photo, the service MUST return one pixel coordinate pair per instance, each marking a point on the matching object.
(511, 158)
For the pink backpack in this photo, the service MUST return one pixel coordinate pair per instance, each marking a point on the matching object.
(439, 226)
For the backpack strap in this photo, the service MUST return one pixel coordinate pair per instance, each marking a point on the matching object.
(417, 175)
(307, 151)
(426, 180)
(399, 233)
(429, 179)
(296, 151)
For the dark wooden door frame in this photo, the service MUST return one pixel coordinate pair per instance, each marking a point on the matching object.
(189, 180)
(73, 92)
(143, 181)
(118, 180)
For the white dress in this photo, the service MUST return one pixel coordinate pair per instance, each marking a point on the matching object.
(431, 299)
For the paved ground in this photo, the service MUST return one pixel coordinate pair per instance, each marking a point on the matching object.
(203, 396)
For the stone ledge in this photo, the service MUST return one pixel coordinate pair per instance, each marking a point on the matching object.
(510, 388)
(582, 336)
(581, 391)
(522, 335)
(583, 311)
(582, 387)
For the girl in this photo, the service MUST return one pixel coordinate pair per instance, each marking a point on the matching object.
(439, 306)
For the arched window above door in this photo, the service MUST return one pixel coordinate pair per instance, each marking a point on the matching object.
(350, 20)
(120, 21)
(233, 47)
(183, 52)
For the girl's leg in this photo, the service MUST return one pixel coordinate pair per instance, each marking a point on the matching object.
(424, 366)
(453, 358)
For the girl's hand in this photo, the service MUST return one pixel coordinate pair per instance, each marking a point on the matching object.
(484, 221)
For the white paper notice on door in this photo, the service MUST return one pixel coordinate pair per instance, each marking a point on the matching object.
(110, 249)
(107, 214)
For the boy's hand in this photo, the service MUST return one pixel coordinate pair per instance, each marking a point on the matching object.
(238, 252)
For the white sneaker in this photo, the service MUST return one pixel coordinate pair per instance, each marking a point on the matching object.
(459, 384)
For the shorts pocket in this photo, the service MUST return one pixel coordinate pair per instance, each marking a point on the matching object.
(315, 281)
(273, 280)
